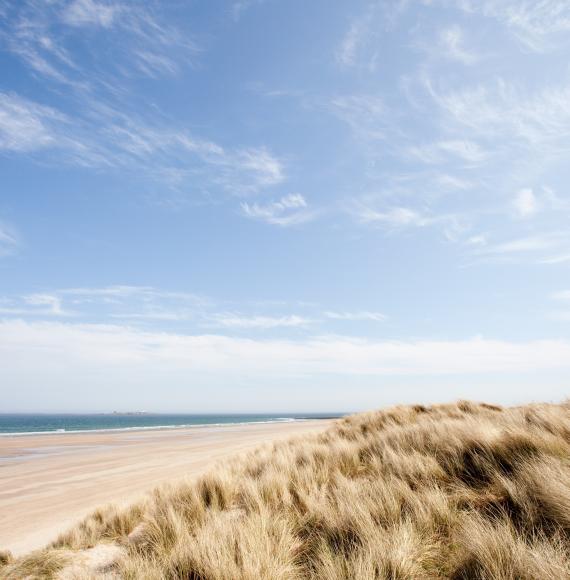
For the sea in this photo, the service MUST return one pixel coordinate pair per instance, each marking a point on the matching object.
(34, 424)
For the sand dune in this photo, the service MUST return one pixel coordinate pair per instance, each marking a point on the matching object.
(464, 491)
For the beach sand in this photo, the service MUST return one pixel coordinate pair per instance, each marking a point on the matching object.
(49, 482)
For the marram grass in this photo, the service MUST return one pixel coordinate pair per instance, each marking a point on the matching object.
(461, 491)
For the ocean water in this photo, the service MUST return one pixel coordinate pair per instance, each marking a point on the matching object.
(27, 424)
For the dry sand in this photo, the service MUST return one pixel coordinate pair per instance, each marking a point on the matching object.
(49, 482)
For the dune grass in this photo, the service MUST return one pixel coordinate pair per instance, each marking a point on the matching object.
(461, 491)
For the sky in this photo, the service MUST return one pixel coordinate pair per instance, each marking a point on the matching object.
(283, 205)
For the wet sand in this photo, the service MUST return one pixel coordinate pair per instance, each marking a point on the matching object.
(49, 482)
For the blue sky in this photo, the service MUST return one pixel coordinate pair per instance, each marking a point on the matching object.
(283, 205)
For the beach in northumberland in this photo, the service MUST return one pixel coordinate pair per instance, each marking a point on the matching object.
(285, 290)
(49, 482)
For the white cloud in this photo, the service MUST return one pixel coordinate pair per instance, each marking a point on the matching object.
(130, 31)
(117, 291)
(366, 115)
(34, 305)
(143, 292)
(152, 64)
(525, 203)
(238, 171)
(562, 295)
(503, 109)
(154, 314)
(229, 320)
(564, 316)
(558, 259)
(355, 39)
(452, 45)
(91, 13)
(288, 211)
(478, 240)
(109, 138)
(352, 316)
(74, 350)
(25, 125)
(441, 151)
(396, 217)
(537, 24)
(404, 217)
(121, 302)
(362, 43)
(347, 50)
(8, 241)
(528, 244)
(546, 248)
(147, 304)
(30, 39)
(451, 182)
(50, 301)
(241, 6)
(260, 162)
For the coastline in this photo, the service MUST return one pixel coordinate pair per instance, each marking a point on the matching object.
(159, 427)
(22, 425)
(51, 480)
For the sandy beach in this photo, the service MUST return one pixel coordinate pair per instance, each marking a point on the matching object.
(49, 482)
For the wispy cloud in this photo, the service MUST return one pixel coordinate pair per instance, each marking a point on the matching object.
(240, 6)
(121, 294)
(113, 302)
(110, 138)
(34, 306)
(502, 109)
(260, 162)
(544, 248)
(8, 241)
(42, 35)
(357, 38)
(451, 182)
(27, 126)
(465, 133)
(90, 13)
(556, 259)
(528, 244)
(405, 217)
(356, 316)
(156, 315)
(152, 306)
(290, 210)
(539, 26)
(456, 149)
(153, 65)
(396, 217)
(562, 295)
(51, 304)
(562, 298)
(365, 114)
(361, 46)
(100, 128)
(237, 321)
(525, 203)
(453, 46)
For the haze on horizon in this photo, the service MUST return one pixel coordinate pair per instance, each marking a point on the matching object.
(265, 205)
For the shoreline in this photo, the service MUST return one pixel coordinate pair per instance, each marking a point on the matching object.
(164, 427)
(48, 484)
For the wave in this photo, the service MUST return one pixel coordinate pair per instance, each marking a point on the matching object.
(152, 427)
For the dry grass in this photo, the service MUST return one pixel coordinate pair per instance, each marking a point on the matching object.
(463, 491)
